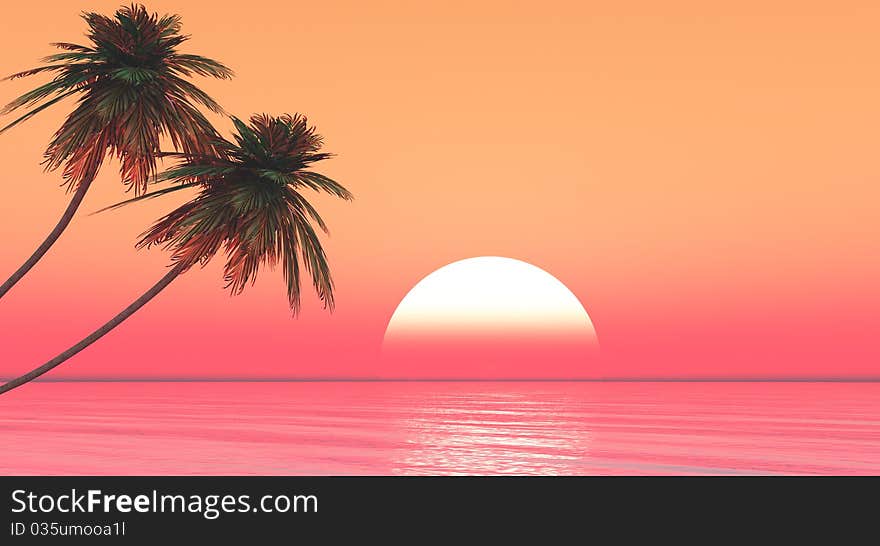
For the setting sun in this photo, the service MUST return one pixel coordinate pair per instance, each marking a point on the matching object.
(490, 311)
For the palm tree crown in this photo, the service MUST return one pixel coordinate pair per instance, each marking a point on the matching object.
(132, 91)
(250, 204)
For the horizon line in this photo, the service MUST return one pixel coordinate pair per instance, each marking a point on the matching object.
(648, 379)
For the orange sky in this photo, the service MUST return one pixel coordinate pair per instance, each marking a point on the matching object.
(703, 178)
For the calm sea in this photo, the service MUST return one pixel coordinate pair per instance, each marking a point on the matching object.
(441, 428)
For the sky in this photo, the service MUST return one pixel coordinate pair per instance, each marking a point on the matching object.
(702, 176)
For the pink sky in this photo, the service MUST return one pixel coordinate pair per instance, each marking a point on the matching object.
(704, 180)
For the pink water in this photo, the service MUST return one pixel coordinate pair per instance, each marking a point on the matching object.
(441, 428)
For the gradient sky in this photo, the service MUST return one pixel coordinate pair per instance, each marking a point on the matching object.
(704, 178)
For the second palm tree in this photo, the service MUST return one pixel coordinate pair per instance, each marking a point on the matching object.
(250, 205)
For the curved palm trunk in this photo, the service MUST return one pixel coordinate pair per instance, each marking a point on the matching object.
(50, 240)
(97, 334)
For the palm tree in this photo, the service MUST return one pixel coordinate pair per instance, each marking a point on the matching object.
(249, 204)
(132, 89)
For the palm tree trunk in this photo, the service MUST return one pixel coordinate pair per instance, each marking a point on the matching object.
(50, 240)
(97, 334)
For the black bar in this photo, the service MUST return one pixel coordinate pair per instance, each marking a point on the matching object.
(376, 507)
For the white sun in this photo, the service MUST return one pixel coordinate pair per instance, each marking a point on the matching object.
(490, 295)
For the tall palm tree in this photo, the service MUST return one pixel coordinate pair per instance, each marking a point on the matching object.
(249, 204)
(132, 89)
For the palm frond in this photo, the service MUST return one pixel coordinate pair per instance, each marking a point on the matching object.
(72, 47)
(65, 57)
(202, 66)
(35, 71)
(195, 172)
(315, 260)
(319, 182)
(35, 96)
(249, 207)
(133, 74)
(146, 196)
(36, 111)
(133, 91)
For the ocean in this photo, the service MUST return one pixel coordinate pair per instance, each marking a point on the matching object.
(400, 428)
